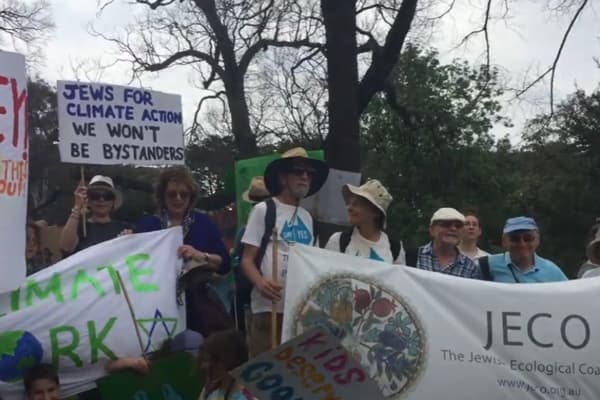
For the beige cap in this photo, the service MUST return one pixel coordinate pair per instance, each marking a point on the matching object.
(447, 214)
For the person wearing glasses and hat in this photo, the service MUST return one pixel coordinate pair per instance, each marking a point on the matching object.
(442, 253)
(520, 263)
(367, 211)
(101, 197)
(289, 179)
(203, 250)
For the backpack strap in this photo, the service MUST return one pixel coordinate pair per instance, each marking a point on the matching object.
(411, 257)
(484, 266)
(395, 246)
(345, 237)
(270, 217)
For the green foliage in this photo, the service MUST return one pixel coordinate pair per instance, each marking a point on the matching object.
(432, 147)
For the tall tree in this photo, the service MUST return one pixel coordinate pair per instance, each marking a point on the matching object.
(220, 39)
(432, 145)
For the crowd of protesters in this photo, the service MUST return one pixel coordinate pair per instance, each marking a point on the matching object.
(276, 196)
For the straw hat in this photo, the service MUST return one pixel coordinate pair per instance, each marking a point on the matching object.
(372, 191)
(286, 162)
(257, 191)
(106, 183)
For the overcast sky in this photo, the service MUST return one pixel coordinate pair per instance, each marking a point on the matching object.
(526, 41)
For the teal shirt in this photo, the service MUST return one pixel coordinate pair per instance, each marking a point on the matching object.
(503, 270)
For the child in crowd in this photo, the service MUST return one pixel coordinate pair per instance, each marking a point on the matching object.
(41, 383)
(220, 353)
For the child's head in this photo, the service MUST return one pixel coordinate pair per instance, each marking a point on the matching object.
(41, 383)
(223, 351)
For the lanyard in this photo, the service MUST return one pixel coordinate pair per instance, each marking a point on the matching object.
(512, 270)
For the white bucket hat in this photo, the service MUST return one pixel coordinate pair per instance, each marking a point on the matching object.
(106, 183)
(257, 191)
(372, 191)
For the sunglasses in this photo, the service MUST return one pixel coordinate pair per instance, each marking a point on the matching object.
(450, 224)
(301, 171)
(526, 237)
(173, 194)
(104, 195)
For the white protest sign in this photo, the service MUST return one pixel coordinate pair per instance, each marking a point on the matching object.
(75, 316)
(310, 366)
(427, 335)
(110, 124)
(14, 169)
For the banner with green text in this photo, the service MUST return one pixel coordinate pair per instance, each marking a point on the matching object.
(426, 335)
(75, 316)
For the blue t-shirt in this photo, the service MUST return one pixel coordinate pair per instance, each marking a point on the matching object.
(503, 270)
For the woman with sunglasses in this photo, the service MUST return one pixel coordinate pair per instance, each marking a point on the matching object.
(101, 197)
(176, 194)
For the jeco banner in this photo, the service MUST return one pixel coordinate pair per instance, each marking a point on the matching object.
(425, 335)
(75, 315)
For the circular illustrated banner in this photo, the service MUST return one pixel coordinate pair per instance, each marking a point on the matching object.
(376, 325)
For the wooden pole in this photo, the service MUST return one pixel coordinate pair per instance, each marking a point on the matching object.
(274, 277)
(131, 312)
(84, 209)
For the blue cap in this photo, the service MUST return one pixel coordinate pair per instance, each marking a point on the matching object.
(520, 224)
(187, 340)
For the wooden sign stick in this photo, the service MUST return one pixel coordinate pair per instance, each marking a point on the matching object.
(84, 209)
(274, 277)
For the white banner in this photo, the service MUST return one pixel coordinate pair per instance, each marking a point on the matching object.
(14, 169)
(75, 316)
(110, 124)
(426, 335)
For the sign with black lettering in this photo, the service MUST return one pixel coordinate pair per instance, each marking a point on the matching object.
(313, 365)
(109, 124)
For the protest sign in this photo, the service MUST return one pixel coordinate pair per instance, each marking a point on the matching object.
(14, 169)
(246, 169)
(427, 335)
(311, 366)
(110, 124)
(174, 377)
(74, 314)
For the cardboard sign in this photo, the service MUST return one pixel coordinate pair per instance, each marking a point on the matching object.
(14, 169)
(109, 124)
(171, 378)
(312, 366)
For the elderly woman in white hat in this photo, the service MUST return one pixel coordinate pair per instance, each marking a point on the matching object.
(101, 197)
(367, 210)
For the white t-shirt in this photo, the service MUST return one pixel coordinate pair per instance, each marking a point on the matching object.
(362, 247)
(294, 224)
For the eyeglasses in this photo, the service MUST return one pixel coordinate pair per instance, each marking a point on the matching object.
(517, 237)
(301, 171)
(173, 194)
(104, 195)
(450, 224)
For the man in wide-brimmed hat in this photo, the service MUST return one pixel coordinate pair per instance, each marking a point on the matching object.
(288, 179)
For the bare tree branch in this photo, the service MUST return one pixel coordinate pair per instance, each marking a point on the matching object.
(552, 68)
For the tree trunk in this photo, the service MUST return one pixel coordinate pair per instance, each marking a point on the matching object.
(342, 145)
(245, 141)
